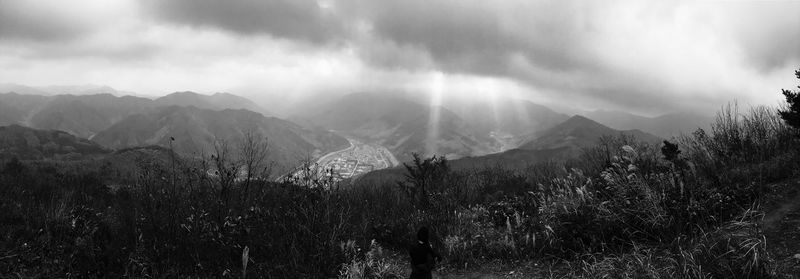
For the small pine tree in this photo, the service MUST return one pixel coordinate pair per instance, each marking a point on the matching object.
(792, 113)
(423, 174)
(670, 151)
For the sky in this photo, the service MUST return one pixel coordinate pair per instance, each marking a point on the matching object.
(647, 57)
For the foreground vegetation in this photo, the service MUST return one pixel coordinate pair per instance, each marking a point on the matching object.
(688, 208)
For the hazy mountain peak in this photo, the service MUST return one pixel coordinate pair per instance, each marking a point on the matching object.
(20, 89)
(183, 94)
(85, 89)
(196, 129)
(578, 132)
(217, 101)
(666, 125)
(226, 94)
(579, 120)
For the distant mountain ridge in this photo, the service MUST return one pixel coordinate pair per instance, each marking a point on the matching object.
(217, 101)
(22, 89)
(579, 132)
(87, 115)
(401, 125)
(53, 90)
(666, 126)
(526, 131)
(514, 117)
(561, 142)
(28, 144)
(195, 131)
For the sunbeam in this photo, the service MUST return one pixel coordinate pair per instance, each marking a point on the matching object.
(436, 92)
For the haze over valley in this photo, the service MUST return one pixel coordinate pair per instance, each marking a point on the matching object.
(399, 139)
(191, 123)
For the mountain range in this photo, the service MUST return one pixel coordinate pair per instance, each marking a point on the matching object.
(196, 130)
(217, 101)
(401, 125)
(52, 90)
(87, 115)
(563, 141)
(579, 132)
(29, 144)
(514, 117)
(505, 131)
(193, 119)
(666, 126)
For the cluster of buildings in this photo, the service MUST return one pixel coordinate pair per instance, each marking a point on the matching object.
(353, 162)
(341, 168)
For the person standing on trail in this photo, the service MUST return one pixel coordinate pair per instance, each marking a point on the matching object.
(423, 257)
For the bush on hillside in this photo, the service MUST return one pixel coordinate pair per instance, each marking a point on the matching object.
(613, 209)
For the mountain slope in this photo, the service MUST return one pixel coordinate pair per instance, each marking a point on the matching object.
(508, 116)
(87, 89)
(667, 125)
(402, 126)
(218, 101)
(195, 131)
(27, 143)
(10, 115)
(21, 89)
(19, 108)
(579, 132)
(563, 141)
(86, 115)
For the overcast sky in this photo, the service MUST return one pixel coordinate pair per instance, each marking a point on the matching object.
(641, 56)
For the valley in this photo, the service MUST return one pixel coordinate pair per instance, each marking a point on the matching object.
(377, 139)
(357, 159)
(338, 171)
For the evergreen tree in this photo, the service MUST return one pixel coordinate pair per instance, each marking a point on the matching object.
(792, 112)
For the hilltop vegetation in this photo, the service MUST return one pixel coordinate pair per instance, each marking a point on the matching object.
(627, 211)
(627, 208)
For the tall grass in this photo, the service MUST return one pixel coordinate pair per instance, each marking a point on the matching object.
(619, 210)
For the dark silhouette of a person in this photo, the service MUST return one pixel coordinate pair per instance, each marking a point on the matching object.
(423, 257)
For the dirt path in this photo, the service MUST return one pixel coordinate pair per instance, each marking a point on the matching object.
(773, 218)
(781, 226)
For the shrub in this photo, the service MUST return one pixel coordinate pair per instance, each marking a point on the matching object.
(375, 263)
(608, 213)
(737, 249)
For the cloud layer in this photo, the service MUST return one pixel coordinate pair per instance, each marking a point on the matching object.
(640, 56)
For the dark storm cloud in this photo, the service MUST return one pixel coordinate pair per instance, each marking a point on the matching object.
(634, 54)
(769, 42)
(20, 20)
(301, 20)
(783, 49)
(474, 37)
(543, 44)
(625, 52)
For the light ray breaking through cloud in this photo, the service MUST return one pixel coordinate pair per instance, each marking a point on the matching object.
(647, 57)
(438, 89)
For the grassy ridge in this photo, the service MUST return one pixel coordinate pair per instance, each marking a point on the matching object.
(621, 209)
